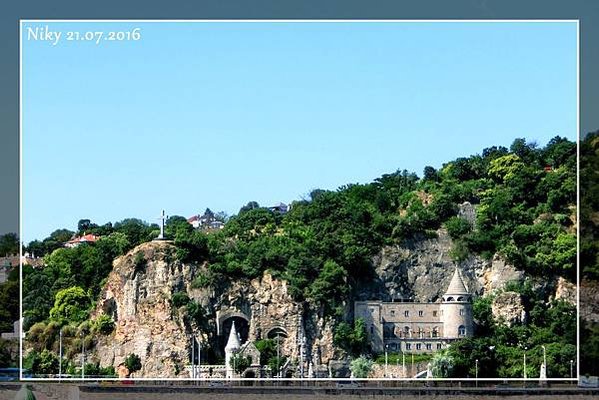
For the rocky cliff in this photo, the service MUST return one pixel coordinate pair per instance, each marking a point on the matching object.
(139, 291)
(422, 269)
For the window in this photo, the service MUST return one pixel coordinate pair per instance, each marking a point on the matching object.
(372, 310)
(438, 346)
(434, 313)
(462, 330)
(408, 346)
(406, 330)
(429, 346)
(392, 312)
(371, 328)
(420, 313)
(418, 346)
(461, 311)
(406, 313)
(435, 332)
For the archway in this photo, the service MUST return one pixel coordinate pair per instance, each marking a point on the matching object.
(242, 326)
(275, 332)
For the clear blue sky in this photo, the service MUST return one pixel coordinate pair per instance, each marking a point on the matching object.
(197, 115)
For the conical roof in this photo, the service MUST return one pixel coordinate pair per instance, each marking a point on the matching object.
(233, 343)
(456, 286)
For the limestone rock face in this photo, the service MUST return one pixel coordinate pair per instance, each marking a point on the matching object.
(508, 309)
(422, 269)
(137, 295)
(565, 291)
(139, 290)
(589, 301)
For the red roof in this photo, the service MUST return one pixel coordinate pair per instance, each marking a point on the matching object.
(85, 238)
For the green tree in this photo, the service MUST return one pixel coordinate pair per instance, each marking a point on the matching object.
(441, 365)
(43, 363)
(240, 363)
(329, 285)
(70, 305)
(353, 340)
(360, 367)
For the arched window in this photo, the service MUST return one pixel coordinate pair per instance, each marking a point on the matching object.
(406, 331)
(435, 332)
(462, 330)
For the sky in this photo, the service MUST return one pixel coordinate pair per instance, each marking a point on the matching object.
(216, 114)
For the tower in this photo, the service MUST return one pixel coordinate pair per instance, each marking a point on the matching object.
(456, 309)
(232, 347)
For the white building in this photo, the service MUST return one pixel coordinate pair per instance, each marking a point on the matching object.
(419, 327)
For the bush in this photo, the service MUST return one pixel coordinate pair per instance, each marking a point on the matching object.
(240, 363)
(360, 367)
(179, 299)
(133, 363)
(457, 227)
(139, 262)
(354, 341)
(104, 324)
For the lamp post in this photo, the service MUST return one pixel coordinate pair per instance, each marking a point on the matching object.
(278, 355)
(82, 356)
(476, 372)
(524, 369)
(544, 358)
(386, 349)
(199, 374)
(60, 355)
(192, 356)
(571, 369)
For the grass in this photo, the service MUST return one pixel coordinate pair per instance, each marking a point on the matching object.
(394, 358)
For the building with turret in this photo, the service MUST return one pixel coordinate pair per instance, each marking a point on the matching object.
(419, 327)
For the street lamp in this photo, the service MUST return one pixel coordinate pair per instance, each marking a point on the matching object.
(544, 358)
(386, 349)
(60, 355)
(571, 369)
(193, 347)
(82, 356)
(278, 354)
(476, 372)
(199, 374)
(524, 363)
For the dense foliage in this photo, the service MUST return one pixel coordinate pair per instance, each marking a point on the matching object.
(589, 244)
(500, 348)
(525, 200)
